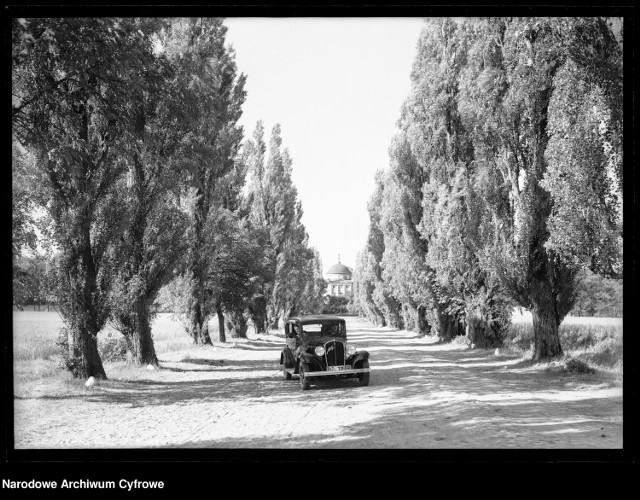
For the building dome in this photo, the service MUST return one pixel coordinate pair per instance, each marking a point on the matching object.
(339, 269)
(339, 282)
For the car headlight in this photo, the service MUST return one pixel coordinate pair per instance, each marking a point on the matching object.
(320, 351)
(351, 349)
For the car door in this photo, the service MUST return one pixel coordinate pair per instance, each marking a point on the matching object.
(292, 342)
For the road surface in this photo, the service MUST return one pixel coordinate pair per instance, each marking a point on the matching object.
(421, 395)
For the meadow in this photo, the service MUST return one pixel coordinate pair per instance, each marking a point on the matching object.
(595, 341)
(36, 355)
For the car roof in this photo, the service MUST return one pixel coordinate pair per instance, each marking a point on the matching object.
(315, 318)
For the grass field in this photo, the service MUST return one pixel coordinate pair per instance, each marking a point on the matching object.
(595, 341)
(36, 357)
(35, 334)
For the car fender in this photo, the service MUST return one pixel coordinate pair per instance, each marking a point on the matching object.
(309, 359)
(359, 356)
(286, 358)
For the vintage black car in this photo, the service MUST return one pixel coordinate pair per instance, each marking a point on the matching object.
(317, 347)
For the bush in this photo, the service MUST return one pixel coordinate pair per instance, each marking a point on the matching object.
(576, 366)
(68, 362)
(335, 305)
(112, 348)
(519, 337)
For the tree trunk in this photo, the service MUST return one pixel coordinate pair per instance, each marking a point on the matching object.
(274, 323)
(82, 313)
(380, 320)
(198, 322)
(481, 331)
(198, 315)
(423, 325)
(395, 317)
(83, 350)
(545, 331)
(237, 324)
(221, 332)
(545, 321)
(448, 327)
(144, 352)
(258, 314)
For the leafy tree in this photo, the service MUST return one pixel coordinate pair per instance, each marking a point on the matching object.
(211, 95)
(255, 203)
(302, 292)
(382, 297)
(311, 298)
(272, 204)
(235, 270)
(335, 305)
(429, 149)
(465, 294)
(153, 242)
(22, 222)
(364, 287)
(33, 282)
(405, 271)
(514, 104)
(71, 81)
(598, 296)
(584, 155)
(508, 156)
(23, 236)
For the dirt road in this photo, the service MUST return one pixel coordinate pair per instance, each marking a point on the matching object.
(421, 395)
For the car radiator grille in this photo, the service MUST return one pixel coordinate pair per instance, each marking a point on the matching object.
(334, 353)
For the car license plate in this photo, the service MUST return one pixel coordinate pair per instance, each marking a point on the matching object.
(338, 368)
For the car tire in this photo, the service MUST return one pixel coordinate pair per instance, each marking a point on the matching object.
(364, 377)
(305, 383)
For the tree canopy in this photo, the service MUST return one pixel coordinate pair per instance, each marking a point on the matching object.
(504, 179)
(126, 135)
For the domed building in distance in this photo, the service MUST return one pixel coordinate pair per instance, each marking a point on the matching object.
(339, 282)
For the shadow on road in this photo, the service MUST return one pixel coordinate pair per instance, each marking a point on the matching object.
(421, 395)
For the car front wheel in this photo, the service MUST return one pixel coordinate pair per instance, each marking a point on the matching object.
(364, 377)
(305, 383)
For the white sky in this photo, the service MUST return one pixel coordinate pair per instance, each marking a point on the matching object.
(336, 86)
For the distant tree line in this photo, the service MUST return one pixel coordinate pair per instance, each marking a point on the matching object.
(504, 183)
(126, 138)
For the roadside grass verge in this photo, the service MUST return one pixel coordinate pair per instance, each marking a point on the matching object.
(589, 344)
(37, 359)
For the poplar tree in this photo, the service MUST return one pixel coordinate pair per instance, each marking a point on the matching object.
(363, 288)
(255, 203)
(584, 155)
(212, 94)
(519, 111)
(71, 107)
(429, 148)
(153, 242)
(273, 203)
(310, 299)
(384, 300)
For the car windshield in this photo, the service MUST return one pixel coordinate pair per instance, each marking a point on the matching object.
(336, 329)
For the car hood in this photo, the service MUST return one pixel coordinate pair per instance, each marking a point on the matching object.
(321, 340)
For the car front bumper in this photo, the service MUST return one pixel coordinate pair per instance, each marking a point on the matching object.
(335, 373)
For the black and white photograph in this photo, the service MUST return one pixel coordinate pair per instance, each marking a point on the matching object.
(300, 232)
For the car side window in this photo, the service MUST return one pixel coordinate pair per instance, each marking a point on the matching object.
(292, 333)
